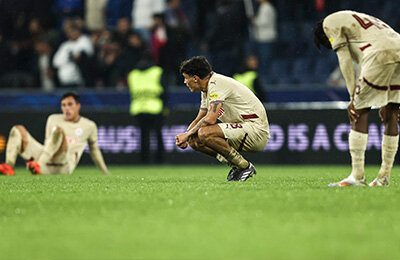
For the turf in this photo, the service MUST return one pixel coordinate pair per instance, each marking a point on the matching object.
(190, 212)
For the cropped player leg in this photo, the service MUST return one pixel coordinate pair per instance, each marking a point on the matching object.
(197, 145)
(17, 142)
(358, 140)
(390, 143)
(213, 137)
(54, 146)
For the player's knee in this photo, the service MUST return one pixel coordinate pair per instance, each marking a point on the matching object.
(57, 132)
(203, 134)
(20, 128)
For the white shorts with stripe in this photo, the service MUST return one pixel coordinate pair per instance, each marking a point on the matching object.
(64, 163)
(247, 136)
(378, 86)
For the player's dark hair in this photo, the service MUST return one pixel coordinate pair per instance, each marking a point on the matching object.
(197, 65)
(71, 94)
(320, 36)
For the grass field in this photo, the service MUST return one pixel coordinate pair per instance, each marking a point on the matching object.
(190, 212)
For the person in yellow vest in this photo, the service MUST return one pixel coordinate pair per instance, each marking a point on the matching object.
(250, 78)
(147, 104)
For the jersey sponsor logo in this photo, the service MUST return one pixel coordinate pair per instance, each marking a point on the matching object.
(72, 140)
(221, 112)
(213, 96)
(78, 131)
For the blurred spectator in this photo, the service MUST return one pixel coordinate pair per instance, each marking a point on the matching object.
(45, 73)
(148, 101)
(265, 34)
(95, 14)
(142, 13)
(5, 60)
(66, 9)
(168, 48)
(249, 77)
(225, 35)
(134, 50)
(72, 57)
(116, 9)
(122, 32)
(175, 17)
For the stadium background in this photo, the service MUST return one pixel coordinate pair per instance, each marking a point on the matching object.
(307, 114)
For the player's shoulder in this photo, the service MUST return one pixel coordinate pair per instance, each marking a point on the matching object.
(87, 121)
(339, 17)
(55, 117)
(220, 81)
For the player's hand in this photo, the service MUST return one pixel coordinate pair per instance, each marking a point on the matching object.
(352, 113)
(181, 140)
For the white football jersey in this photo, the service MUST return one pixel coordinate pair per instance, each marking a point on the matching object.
(78, 134)
(370, 40)
(239, 104)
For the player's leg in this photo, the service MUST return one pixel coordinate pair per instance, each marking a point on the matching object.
(14, 148)
(390, 142)
(358, 139)
(21, 143)
(197, 145)
(55, 146)
(214, 138)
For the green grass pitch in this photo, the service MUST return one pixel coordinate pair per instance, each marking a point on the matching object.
(191, 212)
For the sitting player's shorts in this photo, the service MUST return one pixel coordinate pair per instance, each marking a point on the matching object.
(378, 86)
(247, 136)
(64, 163)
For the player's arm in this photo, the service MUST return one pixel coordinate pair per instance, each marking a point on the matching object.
(96, 154)
(349, 75)
(202, 113)
(209, 119)
(347, 68)
(97, 158)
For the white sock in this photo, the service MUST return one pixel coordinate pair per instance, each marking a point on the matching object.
(357, 144)
(14, 145)
(223, 160)
(236, 158)
(389, 150)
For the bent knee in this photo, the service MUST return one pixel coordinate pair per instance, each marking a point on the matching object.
(57, 131)
(203, 134)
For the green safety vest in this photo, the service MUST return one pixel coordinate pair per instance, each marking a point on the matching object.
(145, 88)
(247, 79)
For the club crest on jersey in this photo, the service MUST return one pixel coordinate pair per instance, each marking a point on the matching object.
(221, 112)
(78, 131)
(213, 96)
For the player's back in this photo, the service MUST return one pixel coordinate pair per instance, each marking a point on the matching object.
(239, 101)
(366, 35)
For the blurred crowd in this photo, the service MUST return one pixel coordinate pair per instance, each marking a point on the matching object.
(96, 43)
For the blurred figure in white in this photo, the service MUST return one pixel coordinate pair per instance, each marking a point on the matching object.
(142, 15)
(70, 54)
